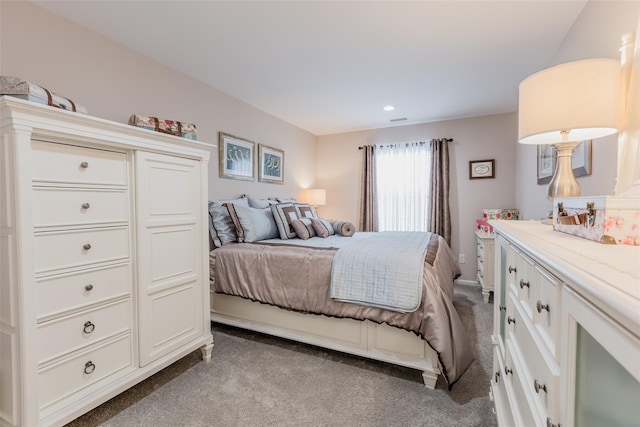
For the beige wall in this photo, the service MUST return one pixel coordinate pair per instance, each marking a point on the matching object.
(114, 82)
(480, 138)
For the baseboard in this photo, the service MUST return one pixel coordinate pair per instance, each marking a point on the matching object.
(466, 282)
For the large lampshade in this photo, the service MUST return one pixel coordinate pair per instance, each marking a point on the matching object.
(580, 98)
(316, 196)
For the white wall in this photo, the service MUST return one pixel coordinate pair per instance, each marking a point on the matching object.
(480, 138)
(597, 33)
(114, 82)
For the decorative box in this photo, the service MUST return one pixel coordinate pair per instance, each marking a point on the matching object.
(605, 219)
(488, 214)
(172, 127)
(483, 226)
(15, 86)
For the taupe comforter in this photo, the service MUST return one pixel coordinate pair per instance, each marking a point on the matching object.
(298, 278)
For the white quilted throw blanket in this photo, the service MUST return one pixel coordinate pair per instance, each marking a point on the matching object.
(384, 270)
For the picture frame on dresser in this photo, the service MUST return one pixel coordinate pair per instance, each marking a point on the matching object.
(236, 157)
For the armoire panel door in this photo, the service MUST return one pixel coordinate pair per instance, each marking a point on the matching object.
(169, 245)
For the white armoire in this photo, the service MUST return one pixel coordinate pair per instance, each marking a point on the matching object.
(104, 259)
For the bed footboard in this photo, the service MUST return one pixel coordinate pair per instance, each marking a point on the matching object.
(360, 338)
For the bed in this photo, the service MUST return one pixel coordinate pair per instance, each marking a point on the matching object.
(283, 287)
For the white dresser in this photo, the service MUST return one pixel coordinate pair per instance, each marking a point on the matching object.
(104, 274)
(485, 246)
(566, 329)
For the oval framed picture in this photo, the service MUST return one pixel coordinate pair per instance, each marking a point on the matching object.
(479, 169)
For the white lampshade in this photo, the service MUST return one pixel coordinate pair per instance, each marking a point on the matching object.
(580, 97)
(316, 196)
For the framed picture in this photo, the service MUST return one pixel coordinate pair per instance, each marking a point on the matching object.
(270, 164)
(236, 157)
(479, 169)
(546, 163)
(580, 161)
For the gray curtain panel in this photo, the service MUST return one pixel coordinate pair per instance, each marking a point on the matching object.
(368, 220)
(439, 212)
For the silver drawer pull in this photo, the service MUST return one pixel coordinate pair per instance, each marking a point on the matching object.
(508, 371)
(88, 287)
(551, 424)
(540, 306)
(502, 308)
(497, 376)
(511, 320)
(86, 205)
(84, 165)
(524, 284)
(512, 270)
(537, 386)
(89, 367)
(89, 327)
(87, 246)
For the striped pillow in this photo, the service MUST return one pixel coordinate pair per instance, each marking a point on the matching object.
(283, 214)
(303, 228)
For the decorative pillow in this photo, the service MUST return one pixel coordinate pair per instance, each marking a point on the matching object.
(252, 224)
(284, 213)
(304, 210)
(322, 227)
(284, 199)
(344, 228)
(261, 203)
(303, 228)
(221, 227)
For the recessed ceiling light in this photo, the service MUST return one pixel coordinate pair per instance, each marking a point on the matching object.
(389, 108)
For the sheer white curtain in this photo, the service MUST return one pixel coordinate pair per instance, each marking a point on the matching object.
(403, 178)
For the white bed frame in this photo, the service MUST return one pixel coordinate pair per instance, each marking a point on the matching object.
(360, 338)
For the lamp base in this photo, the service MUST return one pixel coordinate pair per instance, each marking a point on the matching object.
(563, 183)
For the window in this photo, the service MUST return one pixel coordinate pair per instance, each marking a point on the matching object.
(403, 173)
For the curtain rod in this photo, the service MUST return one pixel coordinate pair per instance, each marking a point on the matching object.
(446, 140)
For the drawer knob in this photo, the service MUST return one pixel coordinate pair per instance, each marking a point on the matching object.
(508, 371)
(87, 246)
(89, 367)
(86, 205)
(512, 270)
(537, 386)
(89, 327)
(523, 284)
(84, 165)
(502, 308)
(88, 287)
(540, 306)
(511, 320)
(497, 376)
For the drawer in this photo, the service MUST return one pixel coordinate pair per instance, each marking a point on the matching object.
(70, 333)
(499, 392)
(58, 381)
(547, 308)
(59, 207)
(537, 367)
(525, 282)
(59, 163)
(514, 387)
(56, 294)
(68, 249)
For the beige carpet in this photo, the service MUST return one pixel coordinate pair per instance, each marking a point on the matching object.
(258, 380)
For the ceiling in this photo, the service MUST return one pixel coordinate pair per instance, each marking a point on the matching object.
(331, 66)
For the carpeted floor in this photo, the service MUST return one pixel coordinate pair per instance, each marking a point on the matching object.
(258, 380)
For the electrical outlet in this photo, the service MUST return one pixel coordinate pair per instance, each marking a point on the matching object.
(462, 259)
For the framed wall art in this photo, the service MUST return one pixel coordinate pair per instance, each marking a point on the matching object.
(236, 157)
(546, 162)
(479, 169)
(270, 164)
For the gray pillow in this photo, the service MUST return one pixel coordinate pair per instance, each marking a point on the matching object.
(221, 227)
(284, 213)
(261, 203)
(252, 224)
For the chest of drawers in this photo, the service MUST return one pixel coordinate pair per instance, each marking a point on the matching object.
(104, 277)
(485, 276)
(566, 329)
